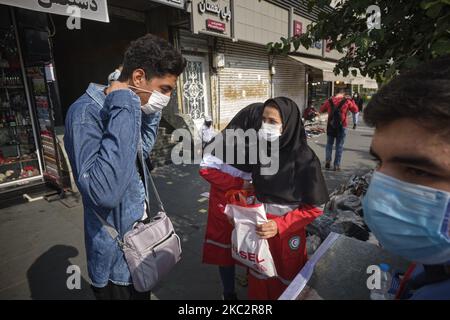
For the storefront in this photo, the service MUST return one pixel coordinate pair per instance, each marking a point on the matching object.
(28, 146)
(318, 92)
(244, 79)
(289, 80)
(195, 88)
(31, 155)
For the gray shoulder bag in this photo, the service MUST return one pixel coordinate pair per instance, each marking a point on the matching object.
(151, 248)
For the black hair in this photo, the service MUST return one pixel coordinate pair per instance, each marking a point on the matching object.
(154, 55)
(422, 94)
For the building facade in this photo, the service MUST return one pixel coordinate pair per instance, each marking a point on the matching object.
(46, 66)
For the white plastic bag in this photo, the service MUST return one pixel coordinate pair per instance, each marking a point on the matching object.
(247, 247)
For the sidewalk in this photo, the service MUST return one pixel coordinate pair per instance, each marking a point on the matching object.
(40, 240)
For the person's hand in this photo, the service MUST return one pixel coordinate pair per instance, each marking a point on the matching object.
(116, 85)
(248, 185)
(231, 221)
(267, 230)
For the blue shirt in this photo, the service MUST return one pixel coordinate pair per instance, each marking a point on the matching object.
(435, 291)
(102, 134)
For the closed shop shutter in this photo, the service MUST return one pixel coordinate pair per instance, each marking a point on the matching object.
(192, 43)
(245, 78)
(290, 80)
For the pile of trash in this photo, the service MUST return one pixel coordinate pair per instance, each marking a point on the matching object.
(343, 214)
(314, 131)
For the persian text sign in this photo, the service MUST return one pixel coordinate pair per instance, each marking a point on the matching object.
(212, 17)
(215, 25)
(88, 9)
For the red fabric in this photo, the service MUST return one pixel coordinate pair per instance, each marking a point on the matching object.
(404, 281)
(289, 259)
(218, 228)
(270, 289)
(348, 106)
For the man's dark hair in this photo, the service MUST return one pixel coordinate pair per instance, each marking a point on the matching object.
(341, 91)
(422, 94)
(154, 55)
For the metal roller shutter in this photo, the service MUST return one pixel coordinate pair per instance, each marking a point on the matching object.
(245, 78)
(290, 80)
(192, 42)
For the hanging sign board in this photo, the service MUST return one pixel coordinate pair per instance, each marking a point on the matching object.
(86, 9)
(173, 3)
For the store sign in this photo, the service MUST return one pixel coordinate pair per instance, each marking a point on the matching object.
(173, 3)
(298, 28)
(212, 17)
(88, 9)
(215, 25)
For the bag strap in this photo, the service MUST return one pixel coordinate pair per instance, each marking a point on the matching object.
(341, 104)
(109, 228)
(147, 177)
(143, 174)
(239, 197)
(330, 101)
(155, 191)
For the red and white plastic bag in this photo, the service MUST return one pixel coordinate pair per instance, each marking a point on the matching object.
(247, 247)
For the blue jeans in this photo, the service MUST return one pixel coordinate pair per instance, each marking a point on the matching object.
(340, 139)
(355, 118)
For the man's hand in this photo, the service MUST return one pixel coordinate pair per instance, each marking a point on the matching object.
(116, 85)
(267, 230)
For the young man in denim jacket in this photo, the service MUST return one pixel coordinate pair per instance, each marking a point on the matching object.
(105, 128)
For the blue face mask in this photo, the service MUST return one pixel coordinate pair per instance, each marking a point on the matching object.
(409, 220)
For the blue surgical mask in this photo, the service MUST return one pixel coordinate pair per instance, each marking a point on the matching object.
(409, 220)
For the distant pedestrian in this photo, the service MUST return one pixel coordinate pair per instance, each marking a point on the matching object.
(337, 108)
(207, 132)
(359, 103)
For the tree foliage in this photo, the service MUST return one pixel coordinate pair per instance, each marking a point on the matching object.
(412, 31)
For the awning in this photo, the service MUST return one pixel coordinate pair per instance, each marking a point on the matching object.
(327, 68)
(370, 84)
(366, 82)
(89, 9)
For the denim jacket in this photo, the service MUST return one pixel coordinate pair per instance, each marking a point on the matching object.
(102, 134)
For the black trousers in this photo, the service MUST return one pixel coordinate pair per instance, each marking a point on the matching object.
(115, 292)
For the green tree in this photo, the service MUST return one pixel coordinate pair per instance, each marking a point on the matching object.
(412, 31)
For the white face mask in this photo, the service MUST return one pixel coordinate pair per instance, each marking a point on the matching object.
(270, 132)
(157, 101)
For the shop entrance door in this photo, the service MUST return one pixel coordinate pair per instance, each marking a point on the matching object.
(195, 89)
